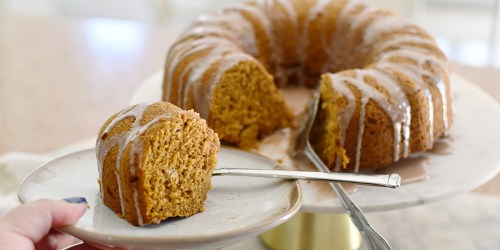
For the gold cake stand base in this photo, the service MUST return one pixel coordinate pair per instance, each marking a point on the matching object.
(315, 231)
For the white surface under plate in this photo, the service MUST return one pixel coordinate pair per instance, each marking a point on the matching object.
(474, 159)
(236, 207)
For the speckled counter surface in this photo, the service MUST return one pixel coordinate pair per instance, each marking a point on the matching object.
(467, 222)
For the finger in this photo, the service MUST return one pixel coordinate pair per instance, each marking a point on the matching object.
(34, 220)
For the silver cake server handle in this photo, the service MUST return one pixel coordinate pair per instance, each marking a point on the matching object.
(389, 180)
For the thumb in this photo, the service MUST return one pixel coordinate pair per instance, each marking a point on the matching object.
(34, 220)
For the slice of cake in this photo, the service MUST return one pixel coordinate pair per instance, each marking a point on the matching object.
(155, 162)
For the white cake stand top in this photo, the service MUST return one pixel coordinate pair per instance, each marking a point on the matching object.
(474, 159)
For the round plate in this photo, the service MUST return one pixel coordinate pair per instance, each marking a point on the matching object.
(236, 207)
(474, 159)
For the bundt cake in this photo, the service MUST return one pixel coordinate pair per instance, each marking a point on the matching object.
(155, 162)
(385, 91)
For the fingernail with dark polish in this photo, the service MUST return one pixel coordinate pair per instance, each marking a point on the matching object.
(76, 200)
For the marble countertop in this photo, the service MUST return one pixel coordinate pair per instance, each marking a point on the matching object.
(466, 222)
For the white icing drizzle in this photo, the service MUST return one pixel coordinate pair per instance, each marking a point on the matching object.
(261, 16)
(361, 129)
(417, 73)
(428, 94)
(384, 24)
(177, 54)
(333, 49)
(263, 12)
(268, 7)
(218, 47)
(396, 108)
(419, 58)
(317, 9)
(120, 140)
(195, 73)
(360, 18)
(209, 30)
(313, 13)
(204, 98)
(130, 137)
(400, 110)
(345, 115)
(211, 27)
(442, 91)
(137, 208)
(264, 21)
(230, 24)
(281, 73)
(350, 6)
(290, 11)
(417, 78)
(400, 40)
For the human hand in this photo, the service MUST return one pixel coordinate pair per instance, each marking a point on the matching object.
(31, 225)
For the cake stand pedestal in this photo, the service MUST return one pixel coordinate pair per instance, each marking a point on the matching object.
(314, 231)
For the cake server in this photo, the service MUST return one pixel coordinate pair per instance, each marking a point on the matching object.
(390, 180)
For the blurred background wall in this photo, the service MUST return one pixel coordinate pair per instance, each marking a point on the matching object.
(467, 30)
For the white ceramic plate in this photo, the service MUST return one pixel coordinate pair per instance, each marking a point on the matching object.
(474, 160)
(236, 207)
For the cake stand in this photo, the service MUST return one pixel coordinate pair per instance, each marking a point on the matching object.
(471, 161)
